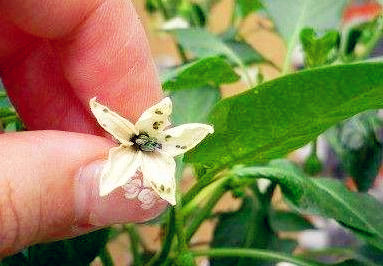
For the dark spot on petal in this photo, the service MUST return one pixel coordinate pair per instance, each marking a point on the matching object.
(104, 125)
(159, 112)
(167, 137)
(183, 147)
(105, 110)
(168, 190)
(162, 187)
(178, 146)
(156, 125)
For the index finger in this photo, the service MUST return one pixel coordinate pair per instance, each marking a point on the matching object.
(101, 45)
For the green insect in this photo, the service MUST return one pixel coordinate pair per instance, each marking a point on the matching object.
(145, 143)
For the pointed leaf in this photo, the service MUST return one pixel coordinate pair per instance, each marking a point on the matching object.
(326, 197)
(212, 71)
(284, 114)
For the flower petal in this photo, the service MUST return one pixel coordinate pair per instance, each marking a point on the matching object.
(158, 170)
(132, 188)
(122, 165)
(147, 197)
(117, 126)
(178, 140)
(156, 118)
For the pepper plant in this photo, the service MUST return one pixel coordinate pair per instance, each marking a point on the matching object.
(336, 95)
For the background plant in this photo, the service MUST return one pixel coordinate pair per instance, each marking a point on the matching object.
(330, 96)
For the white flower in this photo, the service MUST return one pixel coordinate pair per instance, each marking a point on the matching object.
(148, 146)
(175, 23)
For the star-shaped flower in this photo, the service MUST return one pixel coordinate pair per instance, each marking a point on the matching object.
(148, 146)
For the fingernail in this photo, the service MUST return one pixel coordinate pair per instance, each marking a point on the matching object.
(92, 210)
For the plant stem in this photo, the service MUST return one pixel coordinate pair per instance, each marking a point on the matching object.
(105, 257)
(206, 210)
(204, 181)
(203, 195)
(252, 253)
(181, 52)
(163, 9)
(272, 64)
(174, 225)
(179, 224)
(167, 242)
(134, 243)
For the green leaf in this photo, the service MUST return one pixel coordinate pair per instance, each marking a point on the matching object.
(287, 221)
(325, 197)
(353, 262)
(18, 259)
(284, 114)
(245, 7)
(312, 164)
(204, 44)
(77, 251)
(356, 145)
(359, 40)
(7, 111)
(371, 253)
(291, 16)
(247, 54)
(212, 71)
(248, 228)
(319, 50)
(193, 105)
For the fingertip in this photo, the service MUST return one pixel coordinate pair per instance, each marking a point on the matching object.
(94, 210)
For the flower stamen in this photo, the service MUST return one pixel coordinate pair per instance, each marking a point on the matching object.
(144, 142)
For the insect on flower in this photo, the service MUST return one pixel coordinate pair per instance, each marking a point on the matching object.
(148, 146)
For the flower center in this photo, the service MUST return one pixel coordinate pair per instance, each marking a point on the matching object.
(145, 143)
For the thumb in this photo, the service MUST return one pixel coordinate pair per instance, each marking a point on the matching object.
(49, 189)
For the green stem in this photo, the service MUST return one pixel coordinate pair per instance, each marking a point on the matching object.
(167, 242)
(206, 210)
(181, 52)
(134, 243)
(178, 216)
(163, 9)
(174, 224)
(203, 195)
(314, 146)
(179, 224)
(204, 181)
(105, 257)
(272, 64)
(252, 253)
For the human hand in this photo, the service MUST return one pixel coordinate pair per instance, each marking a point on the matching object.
(54, 56)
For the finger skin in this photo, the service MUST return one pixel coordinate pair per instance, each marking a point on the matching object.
(48, 189)
(43, 97)
(97, 48)
(48, 18)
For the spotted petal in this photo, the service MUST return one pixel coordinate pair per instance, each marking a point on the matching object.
(158, 170)
(122, 165)
(178, 140)
(119, 127)
(155, 119)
